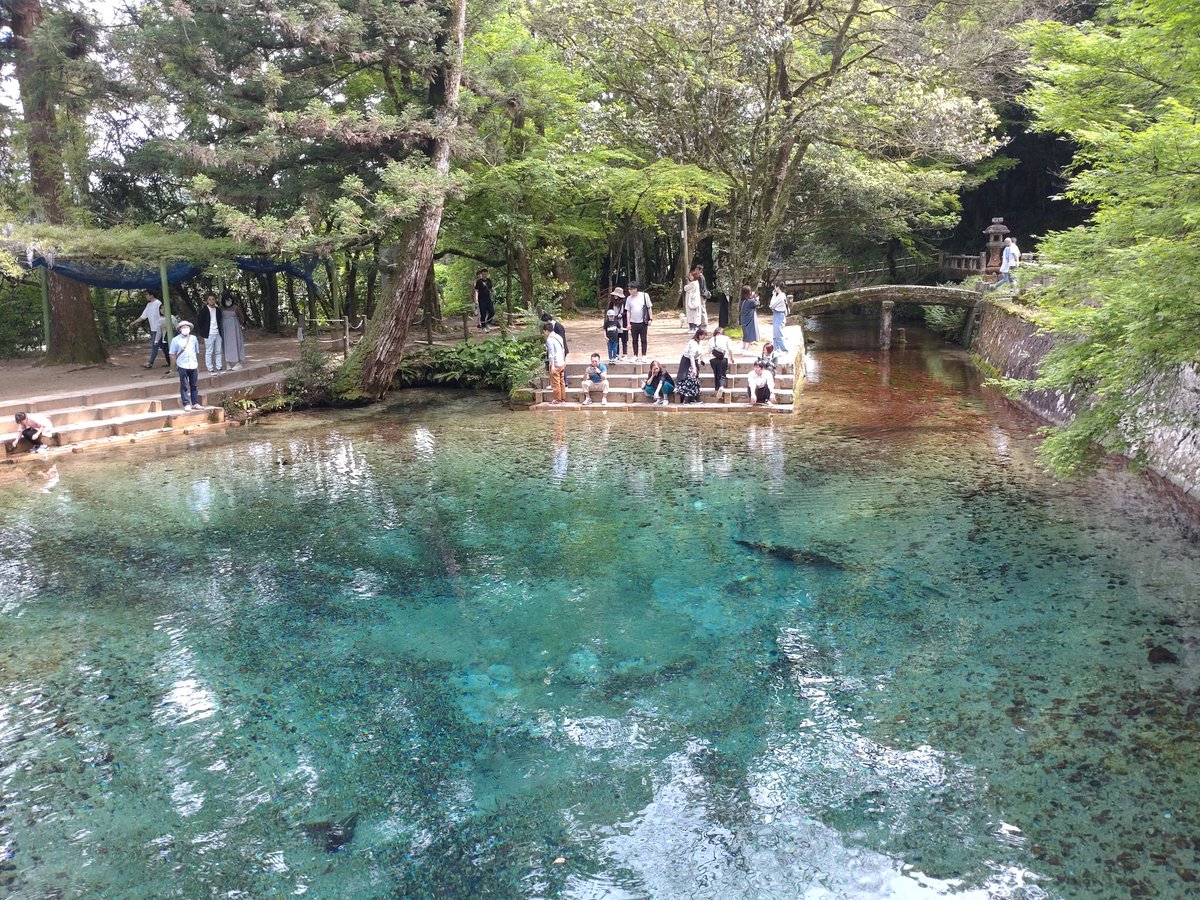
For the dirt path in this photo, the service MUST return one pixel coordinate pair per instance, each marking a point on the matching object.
(21, 378)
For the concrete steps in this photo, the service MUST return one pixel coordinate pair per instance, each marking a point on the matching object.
(625, 382)
(672, 406)
(149, 405)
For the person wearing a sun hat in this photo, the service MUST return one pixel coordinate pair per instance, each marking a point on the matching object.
(615, 329)
(185, 353)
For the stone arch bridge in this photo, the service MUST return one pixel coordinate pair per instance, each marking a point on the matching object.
(887, 296)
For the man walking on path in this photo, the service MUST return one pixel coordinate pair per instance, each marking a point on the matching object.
(32, 428)
(1010, 260)
(556, 360)
(211, 328)
(483, 299)
(637, 305)
(185, 353)
(153, 316)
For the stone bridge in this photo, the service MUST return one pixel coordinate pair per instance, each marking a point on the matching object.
(888, 295)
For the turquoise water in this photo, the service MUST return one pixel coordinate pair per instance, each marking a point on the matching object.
(865, 651)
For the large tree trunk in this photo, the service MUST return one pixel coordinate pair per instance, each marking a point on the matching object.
(370, 370)
(562, 274)
(525, 276)
(74, 337)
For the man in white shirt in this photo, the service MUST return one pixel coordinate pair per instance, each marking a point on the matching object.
(32, 428)
(153, 316)
(556, 359)
(186, 352)
(209, 327)
(1010, 260)
(760, 385)
(640, 313)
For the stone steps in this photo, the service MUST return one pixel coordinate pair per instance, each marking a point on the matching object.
(133, 424)
(739, 364)
(647, 405)
(146, 406)
(635, 396)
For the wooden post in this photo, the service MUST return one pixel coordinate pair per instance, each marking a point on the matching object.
(885, 324)
(166, 299)
(45, 305)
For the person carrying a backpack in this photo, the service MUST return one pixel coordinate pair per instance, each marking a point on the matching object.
(640, 313)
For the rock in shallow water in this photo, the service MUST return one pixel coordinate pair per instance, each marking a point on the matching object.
(1160, 654)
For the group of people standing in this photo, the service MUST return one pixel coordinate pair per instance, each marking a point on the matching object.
(747, 317)
(219, 326)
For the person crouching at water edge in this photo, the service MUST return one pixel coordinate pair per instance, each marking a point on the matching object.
(32, 428)
(658, 384)
(185, 353)
(556, 362)
(595, 378)
(760, 385)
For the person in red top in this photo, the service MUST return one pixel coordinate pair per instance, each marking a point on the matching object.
(32, 428)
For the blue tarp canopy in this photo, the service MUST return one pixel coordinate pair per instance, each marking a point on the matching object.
(120, 278)
(259, 266)
(129, 278)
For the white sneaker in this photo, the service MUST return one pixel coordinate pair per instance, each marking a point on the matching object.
(187, 407)
(237, 367)
(40, 449)
(604, 401)
(587, 401)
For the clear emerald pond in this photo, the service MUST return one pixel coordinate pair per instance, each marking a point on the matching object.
(444, 649)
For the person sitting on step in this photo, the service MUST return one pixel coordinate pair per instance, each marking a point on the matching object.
(760, 385)
(658, 384)
(771, 358)
(32, 428)
(595, 377)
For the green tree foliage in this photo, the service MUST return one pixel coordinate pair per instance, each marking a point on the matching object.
(550, 184)
(302, 126)
(1126, 89)
(749, 89)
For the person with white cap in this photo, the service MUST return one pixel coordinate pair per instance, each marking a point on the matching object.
(185, 353)
(615, 325)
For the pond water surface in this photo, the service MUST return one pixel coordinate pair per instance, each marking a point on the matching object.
(444, 649)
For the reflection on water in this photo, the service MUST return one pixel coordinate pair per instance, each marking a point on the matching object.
(443, 649)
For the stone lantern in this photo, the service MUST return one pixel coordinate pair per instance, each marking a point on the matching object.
(996, 233)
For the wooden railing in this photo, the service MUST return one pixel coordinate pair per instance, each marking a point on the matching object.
(334, 334)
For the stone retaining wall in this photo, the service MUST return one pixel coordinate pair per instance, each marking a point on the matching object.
(1011, 344)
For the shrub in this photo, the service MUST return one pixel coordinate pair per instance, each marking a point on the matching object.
(947, 321)
(495, 363)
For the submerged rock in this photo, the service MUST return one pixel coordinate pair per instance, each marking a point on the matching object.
(1159, 654)
(331, 835)
(805, 556)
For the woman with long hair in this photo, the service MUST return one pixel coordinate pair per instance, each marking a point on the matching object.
(658, 384)
(746, 317)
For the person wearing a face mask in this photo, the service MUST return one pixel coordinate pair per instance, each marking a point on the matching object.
(185, 353)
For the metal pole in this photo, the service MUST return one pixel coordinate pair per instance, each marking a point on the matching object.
(45, 305)
(166, 299)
